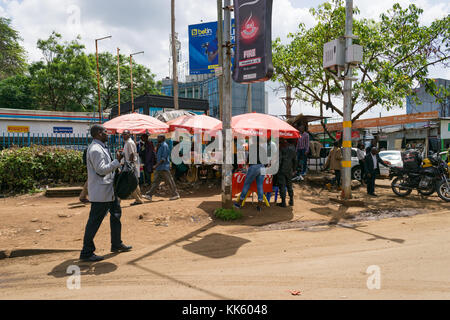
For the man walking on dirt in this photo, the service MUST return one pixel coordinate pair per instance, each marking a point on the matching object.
(288, 164)
(162, 171)
(101, 167)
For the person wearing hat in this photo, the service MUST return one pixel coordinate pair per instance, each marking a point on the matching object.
(131, 155)
(162, 171)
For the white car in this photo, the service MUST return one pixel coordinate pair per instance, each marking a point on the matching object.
(394, 157)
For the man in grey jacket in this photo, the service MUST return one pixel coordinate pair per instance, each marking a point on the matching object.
(101, 167)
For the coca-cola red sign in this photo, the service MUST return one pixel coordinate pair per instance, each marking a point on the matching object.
(253, 58)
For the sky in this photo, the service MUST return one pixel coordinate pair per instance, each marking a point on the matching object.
(144, 25)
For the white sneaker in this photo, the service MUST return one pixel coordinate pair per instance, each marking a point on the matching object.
(301, 178)
(175, 198)
(149, 198)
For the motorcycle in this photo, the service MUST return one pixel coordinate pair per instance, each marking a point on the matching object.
(427, 180)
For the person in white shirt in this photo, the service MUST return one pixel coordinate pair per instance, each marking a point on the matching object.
(131, 155)
(361, 154)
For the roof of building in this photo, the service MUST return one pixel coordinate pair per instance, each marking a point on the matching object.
(159, 101)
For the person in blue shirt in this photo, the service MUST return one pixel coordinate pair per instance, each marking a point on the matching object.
(162, 171)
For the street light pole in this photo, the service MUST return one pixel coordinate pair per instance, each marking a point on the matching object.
(131, 76)
(348, 85)
(118, 80)
(174, 57)
(227, 199)
(98, 78)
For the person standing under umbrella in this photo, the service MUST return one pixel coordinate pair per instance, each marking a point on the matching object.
(162, 171)
(288, 165)
(147, 153)
(131, 155)
(254, 173)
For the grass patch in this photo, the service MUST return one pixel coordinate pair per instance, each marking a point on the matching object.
(228, 214)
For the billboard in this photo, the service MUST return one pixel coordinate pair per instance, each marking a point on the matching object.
(203, 47)
(253, 41)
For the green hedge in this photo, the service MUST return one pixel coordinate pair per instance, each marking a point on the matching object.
(25, 169)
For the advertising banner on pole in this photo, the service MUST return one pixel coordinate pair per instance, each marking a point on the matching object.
(203, 47)
(253, 52)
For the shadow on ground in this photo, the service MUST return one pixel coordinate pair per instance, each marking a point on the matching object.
(216, 246)
(95, 268)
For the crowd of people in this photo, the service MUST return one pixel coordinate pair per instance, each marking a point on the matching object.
(102, 168)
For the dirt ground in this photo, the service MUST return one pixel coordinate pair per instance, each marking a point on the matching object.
(180, 251)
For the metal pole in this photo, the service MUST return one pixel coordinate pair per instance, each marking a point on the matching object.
(347, 139)
(227, 200)
(98, 84)
(131, 76)
(98, 78)
(249, 99)
(118, 80)
(174, 58)
(220, 47)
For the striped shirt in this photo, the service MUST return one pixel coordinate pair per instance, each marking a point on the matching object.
(303, 142)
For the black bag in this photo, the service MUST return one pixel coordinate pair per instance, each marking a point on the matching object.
(125, 182)
(85, 156)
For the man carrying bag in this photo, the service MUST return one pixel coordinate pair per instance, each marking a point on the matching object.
(101, 167)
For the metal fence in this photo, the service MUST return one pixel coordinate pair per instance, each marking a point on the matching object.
(68, 141)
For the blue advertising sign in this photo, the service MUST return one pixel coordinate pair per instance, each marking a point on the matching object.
(203, 47)
(62, 130)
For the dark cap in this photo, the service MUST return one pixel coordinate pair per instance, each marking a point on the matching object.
(126, 132)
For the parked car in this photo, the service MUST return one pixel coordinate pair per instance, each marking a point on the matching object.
(392, 156)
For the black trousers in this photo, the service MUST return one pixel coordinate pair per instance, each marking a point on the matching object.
(371, 183)
(338, 175)
(98, 212)
(285, 181)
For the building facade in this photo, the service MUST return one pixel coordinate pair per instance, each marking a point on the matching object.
(429, 103)
(207, 87)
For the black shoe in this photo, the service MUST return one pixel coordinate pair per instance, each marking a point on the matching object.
(373, 195)
(121, 248)
(291, 203)
(282, 205)
(93, 258)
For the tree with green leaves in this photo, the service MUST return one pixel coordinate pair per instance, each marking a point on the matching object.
(16, 92)
(143, 79)
(63, 81)
(12, 54)
(398, 52)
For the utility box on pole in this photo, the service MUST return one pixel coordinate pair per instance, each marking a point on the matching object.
(355, 55)
(334, 55)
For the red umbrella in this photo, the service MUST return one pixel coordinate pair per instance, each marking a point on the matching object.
(137, 124)
(257, 124)
(194, 124)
